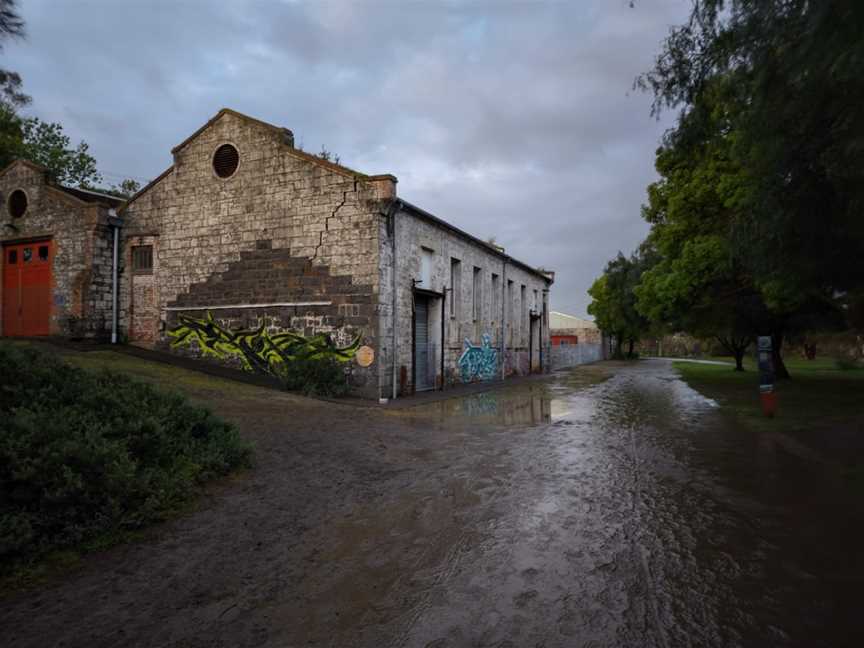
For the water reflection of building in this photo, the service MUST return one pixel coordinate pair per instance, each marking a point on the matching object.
(509, 409)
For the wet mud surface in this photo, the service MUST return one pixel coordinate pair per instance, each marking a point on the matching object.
(629, 512)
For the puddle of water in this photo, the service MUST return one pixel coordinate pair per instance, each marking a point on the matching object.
(497, 407)
(524, 405)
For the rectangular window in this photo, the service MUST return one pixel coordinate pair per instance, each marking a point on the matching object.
(509, 308)
(478, 294)
(13, 256)
(142, 259)
(523, 314)
(455, 287)
(536, 306)
(427, 259)
(496, 298)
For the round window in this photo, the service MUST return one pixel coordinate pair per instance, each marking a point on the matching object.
(225, 161)
(18, 203)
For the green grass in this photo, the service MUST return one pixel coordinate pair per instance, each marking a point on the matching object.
(819, 395)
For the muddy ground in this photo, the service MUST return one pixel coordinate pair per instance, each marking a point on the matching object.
(564, 512)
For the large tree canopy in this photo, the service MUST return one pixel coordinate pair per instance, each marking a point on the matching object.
(756, 219)
(794, 67)
(697, 283)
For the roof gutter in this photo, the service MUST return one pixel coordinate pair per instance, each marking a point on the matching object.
(473, 239)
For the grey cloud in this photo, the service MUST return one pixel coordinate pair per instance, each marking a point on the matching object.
(509, 119)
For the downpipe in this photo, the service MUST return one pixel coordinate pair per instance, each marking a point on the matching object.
(393, 219)
(504, 307)
(115, 224)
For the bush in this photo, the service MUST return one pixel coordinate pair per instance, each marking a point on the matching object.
(847, 364)
(314, 376)
(84, 453)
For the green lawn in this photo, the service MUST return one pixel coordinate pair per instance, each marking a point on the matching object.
(819, 395)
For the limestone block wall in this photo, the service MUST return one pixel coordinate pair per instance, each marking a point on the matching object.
(425, 254)
(82, 248)
(300, 207)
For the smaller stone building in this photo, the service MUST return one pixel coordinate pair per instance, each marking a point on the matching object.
(57, 246)
(575, 340)
(568, 329)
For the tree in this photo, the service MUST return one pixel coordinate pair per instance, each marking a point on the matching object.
(31, 138)
(46, 144)
(125, 189)
(11, 96)
(11, 26)
(696, 284)
(614, 303)
(791, 72)
(795, 66)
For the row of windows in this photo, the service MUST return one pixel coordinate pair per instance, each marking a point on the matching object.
(27, 255)
(477, 294)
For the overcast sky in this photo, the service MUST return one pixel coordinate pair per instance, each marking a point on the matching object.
(512, 120)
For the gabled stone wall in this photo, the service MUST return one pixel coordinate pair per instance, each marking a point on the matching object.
(314, 217)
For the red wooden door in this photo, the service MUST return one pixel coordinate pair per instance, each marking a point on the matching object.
(27, 288)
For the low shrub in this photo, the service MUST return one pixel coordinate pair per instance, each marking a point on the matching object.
(314, 376)
(847, 364)
(85, 453)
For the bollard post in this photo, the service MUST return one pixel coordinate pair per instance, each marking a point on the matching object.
(766, 377)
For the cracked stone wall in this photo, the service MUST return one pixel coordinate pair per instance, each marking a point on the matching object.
(201, 226)
(82, 249)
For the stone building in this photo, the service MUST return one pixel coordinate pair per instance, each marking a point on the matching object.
(251, 252)
(568, 329)
(57, 245)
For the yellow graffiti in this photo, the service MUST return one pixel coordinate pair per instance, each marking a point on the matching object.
(256, 350)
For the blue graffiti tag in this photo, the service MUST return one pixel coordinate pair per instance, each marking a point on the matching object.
(479, 362)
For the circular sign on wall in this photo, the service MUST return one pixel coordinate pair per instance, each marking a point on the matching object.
(365, 356)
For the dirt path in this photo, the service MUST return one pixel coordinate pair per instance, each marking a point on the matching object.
(557, 513)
